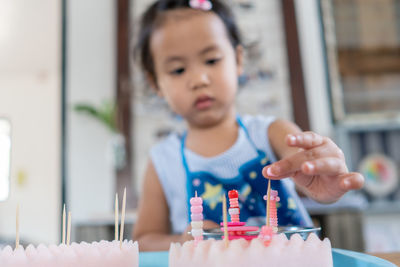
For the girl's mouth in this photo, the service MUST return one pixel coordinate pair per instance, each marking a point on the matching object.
(203, 102)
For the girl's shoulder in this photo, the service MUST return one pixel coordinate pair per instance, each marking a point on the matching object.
(257, 129)
(254, 122)
(168, 145)
(257, 125)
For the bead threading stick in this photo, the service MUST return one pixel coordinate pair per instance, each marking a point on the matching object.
(121, 232)
(69, 228)
(17, 228)
(63, 225)
(267, 222)
(116, 218)
(226, 239)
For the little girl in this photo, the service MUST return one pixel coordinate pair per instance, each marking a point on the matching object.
(192, 56)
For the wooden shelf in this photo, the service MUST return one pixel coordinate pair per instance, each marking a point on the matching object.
(368, 61)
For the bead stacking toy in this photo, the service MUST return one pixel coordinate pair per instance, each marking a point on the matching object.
(196, 209)
(265, 249)
(267, 231)
(236, 228)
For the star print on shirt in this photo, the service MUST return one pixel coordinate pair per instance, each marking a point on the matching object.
(264, 161)
(212, 194)
(291, 204)
(244, 192)
(253, 175)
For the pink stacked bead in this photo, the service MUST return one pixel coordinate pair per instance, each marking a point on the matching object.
(273, 211)
(266, 234)
(234, 210)
(196, 210)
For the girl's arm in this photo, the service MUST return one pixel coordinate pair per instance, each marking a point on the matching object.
(277, 132)
(152, 229)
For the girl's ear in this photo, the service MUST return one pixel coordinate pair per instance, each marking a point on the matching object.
(239, 59)
(153, 84)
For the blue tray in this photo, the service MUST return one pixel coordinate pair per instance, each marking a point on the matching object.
(341, 258)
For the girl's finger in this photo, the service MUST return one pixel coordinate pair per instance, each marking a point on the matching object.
(351, 181)
(289, 165)
(324, 166)
(266, 172)
(305, 140)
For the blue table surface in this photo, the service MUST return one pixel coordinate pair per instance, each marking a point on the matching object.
(341, 258)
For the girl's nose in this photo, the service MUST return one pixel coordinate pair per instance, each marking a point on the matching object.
(199, 80)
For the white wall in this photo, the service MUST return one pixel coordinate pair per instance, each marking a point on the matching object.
(91, 69)
(30, 86)
(313, 66)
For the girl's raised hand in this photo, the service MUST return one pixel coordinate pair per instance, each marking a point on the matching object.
(318, 168)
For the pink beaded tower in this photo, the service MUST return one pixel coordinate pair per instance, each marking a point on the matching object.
(266, 234)
(196, 209)
(234, 210)
(273, 211)
(271, 221)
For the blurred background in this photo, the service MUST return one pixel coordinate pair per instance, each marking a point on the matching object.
(77, 118)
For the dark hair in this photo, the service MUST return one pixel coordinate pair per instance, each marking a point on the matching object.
(150, 19)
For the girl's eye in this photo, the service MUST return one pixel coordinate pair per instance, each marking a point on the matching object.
(212, 61)
(178, 71)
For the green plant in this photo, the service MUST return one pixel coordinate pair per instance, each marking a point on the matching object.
(105, 113)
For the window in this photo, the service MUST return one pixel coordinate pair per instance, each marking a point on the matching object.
(5, 148)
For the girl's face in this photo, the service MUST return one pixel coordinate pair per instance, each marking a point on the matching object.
(196, 66)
